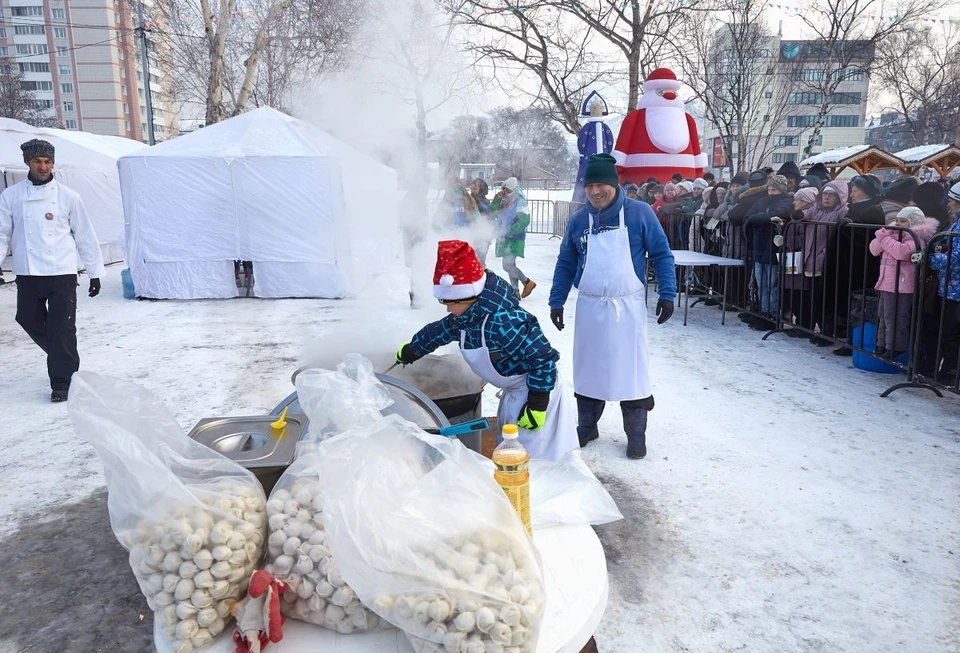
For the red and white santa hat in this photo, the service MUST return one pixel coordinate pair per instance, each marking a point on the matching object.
(661, 79)
(459, 274)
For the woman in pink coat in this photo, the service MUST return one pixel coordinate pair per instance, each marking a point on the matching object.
(898, 277)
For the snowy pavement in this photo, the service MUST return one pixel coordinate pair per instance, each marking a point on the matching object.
(783, 505)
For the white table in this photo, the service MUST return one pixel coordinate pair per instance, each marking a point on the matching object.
(683, 259)
(576, 582)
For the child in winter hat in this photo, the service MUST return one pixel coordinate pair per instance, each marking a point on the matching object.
(898, 276)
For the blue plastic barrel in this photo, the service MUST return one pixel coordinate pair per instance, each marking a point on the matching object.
(129, 292)
(868, 331)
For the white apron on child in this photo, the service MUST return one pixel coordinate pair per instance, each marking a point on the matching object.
(557, 436)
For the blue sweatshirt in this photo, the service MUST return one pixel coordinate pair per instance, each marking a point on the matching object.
(646, 237)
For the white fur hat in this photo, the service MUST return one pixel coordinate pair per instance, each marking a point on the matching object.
(912, 214)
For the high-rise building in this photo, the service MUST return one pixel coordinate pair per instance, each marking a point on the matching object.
(82, 61)
(791, 76)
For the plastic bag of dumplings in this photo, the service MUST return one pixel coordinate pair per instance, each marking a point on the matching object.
(424, 536)
(193, 521)
(298, 555)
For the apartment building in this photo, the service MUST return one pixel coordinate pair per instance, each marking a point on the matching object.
(81, 59)
(788, 111)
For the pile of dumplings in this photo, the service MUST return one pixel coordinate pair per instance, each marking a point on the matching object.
(489, 599)
(194, 563)
(316, 591)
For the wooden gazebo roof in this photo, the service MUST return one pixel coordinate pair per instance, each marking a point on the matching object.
(864, 159)
(943, 158)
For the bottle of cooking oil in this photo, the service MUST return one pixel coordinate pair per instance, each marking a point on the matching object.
(512, 473)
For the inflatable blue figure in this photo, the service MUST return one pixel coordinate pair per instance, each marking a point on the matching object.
(594, 138)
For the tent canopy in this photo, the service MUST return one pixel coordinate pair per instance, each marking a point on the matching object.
(87, 163)
(316, 217)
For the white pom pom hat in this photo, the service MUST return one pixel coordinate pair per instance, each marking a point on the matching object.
(458, 274)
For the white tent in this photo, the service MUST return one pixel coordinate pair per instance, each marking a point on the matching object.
(87, 163)
(316, 217)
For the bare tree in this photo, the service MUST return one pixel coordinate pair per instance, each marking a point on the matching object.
(524, 140)
(307, 40)
(644, 33)
(846, 35)
(465, 140)
(920, 70)
(728, 64)
(422, 45)
(18, 102)
(216, 47)
(534, 55)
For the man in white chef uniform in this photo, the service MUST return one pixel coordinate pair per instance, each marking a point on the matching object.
(603, 254)
(46, 225)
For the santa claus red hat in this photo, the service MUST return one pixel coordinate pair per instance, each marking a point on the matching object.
(459, 274)
(661, 78)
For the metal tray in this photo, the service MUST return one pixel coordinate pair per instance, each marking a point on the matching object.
(251, 441)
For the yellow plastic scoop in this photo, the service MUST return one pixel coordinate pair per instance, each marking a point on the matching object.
(281, 422)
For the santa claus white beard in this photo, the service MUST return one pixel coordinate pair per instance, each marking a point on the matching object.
(667, 128)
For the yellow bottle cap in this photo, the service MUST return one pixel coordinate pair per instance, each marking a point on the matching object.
(510, 431)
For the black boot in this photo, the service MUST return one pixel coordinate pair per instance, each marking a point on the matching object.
(635, 426)
(588, 414)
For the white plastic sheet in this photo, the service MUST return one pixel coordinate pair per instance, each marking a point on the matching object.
(567, 492)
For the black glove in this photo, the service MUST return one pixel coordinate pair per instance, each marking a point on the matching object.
(556, 316)
(405, 355)
(664, 310)
(94, 287)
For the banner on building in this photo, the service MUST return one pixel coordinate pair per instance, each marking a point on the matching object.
(719, 157)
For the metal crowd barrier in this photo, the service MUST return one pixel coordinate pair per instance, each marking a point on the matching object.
(833, 301)
(541, 216)
(562, 210)
(935, 345)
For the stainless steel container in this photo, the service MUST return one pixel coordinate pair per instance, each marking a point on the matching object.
(446, 379)
(253, 443)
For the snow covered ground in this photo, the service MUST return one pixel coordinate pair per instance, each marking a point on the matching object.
(783, 505)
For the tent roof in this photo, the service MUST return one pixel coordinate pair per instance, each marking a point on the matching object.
(263, 132)
(74, 149)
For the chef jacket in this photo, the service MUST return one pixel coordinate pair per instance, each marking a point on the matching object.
(47, 226)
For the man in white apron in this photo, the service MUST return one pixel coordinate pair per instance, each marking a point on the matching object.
(603, 254)
(503, 345)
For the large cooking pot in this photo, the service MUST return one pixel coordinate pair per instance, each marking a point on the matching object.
(408, 402)
(448, 382)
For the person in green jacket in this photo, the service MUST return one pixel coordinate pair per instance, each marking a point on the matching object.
(512, 221)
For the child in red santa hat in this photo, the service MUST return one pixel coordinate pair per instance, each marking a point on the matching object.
(502, 343)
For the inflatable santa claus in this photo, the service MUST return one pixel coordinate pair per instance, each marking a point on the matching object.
(660, 138)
